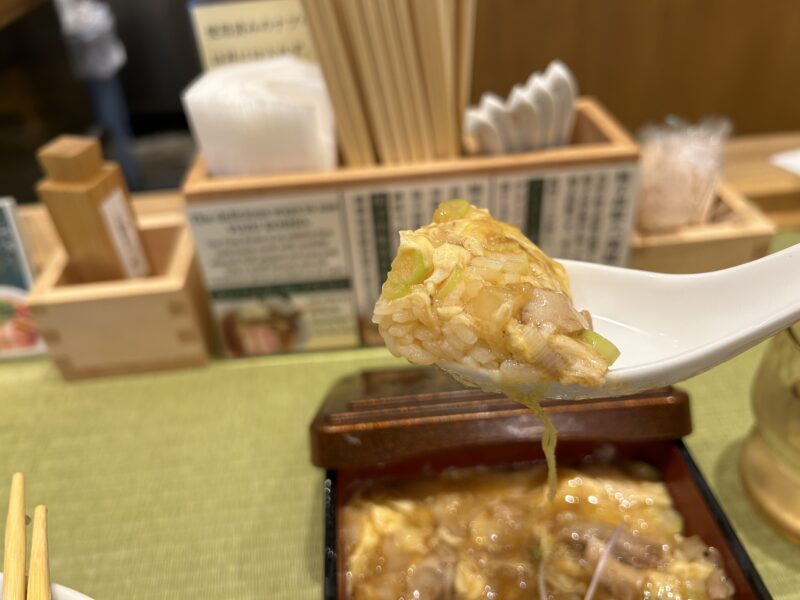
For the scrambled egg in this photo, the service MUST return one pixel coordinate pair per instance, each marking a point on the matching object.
(478, 534)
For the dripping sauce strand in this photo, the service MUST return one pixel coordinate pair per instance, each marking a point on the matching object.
(533, 400)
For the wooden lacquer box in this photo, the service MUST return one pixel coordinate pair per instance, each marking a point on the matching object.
(127, 325)
(392, 425)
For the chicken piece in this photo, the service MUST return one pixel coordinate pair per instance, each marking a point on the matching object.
(553, 309)
(635, 551)
(668, 577)
(624, 582)
(434, 576)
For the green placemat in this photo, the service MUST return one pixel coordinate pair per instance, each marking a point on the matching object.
(184, 484)
(198, 483)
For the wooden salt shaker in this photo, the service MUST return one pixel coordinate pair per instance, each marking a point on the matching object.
(90, 206)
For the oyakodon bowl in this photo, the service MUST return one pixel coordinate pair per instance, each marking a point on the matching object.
(360, 432)
(59, 592)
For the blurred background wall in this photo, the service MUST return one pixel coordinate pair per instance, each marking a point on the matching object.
(39, 98)
(645, 59)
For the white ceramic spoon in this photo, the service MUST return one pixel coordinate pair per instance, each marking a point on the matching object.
(672, 327)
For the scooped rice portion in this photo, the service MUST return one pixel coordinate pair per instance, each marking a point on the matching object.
(473, 291)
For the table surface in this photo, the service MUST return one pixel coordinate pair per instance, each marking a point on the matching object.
(199, 482)
(747, 168)
(747, 165)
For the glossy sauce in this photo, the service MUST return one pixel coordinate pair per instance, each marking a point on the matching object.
(533, 400)
(493, 534)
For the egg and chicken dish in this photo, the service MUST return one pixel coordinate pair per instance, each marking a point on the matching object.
(473, 292)
(611, 532)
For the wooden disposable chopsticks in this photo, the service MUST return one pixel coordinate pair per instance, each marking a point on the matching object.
(376, 39)
(465, 46)
(15, 542)
(39, 572)
(413, 78)
(15, 549)
(343, 85)
(398, 73)
(386, 139)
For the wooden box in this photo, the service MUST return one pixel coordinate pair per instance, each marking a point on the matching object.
(405, 424)
(740, 234)
(41, 238)
(575, 201)
(131, 325)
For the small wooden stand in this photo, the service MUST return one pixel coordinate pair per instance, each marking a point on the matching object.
(129, 325)
(743, 235)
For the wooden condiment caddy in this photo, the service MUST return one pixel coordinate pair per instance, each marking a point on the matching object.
(575, 201)
(742, 234)
(90, 207)
(126, 325)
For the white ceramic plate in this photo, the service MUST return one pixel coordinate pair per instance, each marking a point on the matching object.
(59, 592)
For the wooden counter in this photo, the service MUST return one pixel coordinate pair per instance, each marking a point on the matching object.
(774, 190)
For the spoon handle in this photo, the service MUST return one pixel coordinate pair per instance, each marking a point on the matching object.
(765, 291)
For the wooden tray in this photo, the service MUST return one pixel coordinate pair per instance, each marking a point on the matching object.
(367, 419)
(129, 325)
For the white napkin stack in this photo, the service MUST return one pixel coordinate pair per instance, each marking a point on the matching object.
(261, 117)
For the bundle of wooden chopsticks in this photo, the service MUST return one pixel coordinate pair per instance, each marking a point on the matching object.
(398, 73)
(38, 587)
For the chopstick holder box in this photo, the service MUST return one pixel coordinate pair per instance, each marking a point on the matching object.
(319, 244)
(128, 325)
